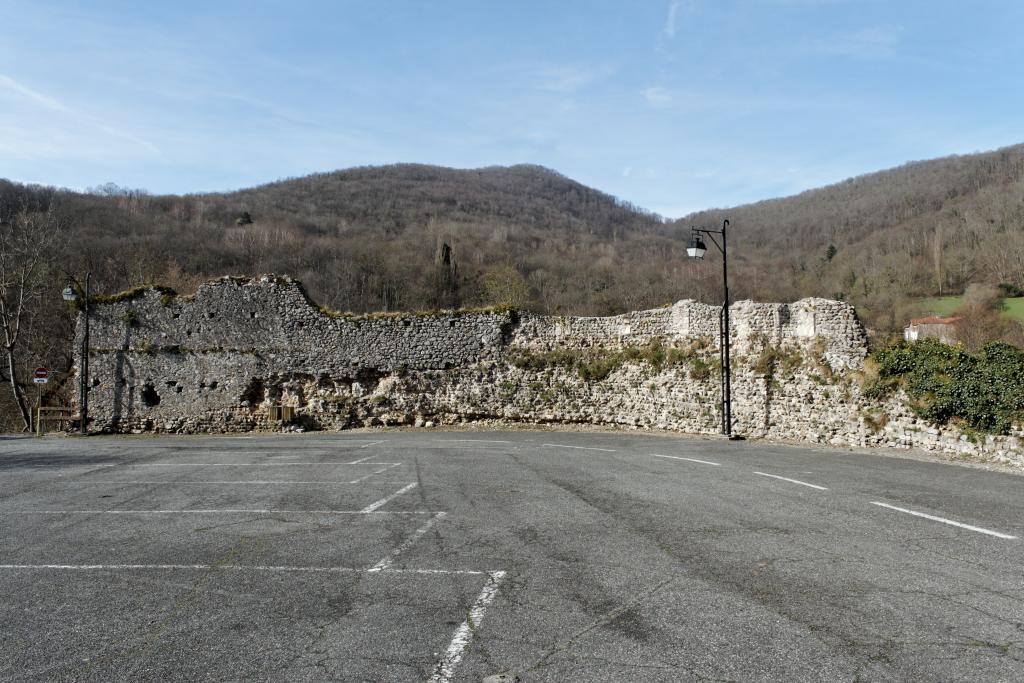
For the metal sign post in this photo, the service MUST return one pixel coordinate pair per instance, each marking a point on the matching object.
(41, 376)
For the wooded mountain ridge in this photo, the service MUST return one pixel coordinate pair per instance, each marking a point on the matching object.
(374, 238)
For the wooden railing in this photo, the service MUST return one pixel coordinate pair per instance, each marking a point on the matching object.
(57, 414)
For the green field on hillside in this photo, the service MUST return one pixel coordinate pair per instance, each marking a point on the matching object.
(947, 305)
(940, 305)
(1014, 308)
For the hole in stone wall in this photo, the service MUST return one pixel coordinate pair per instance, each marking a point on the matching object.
(210, 314)
(178, 389)
(213, 384)
(149, 396)
(176, 315)
(406, 323)
(253, 392)
(171, 384)
(451, 323)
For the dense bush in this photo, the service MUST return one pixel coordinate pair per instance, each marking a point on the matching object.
(983, 391)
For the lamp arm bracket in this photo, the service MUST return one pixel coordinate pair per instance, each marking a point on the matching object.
(711, 236)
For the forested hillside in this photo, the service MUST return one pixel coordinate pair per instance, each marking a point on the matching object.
(421, 237)
(881, 240)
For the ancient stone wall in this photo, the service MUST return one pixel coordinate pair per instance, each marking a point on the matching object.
(225, 358)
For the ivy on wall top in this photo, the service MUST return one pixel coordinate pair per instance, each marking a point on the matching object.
(983, 391)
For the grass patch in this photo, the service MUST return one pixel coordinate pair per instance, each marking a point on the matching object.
(1012, 308)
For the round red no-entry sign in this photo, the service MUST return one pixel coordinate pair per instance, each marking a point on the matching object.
(42, 375)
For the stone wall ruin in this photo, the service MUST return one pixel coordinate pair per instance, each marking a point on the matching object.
(228, 357)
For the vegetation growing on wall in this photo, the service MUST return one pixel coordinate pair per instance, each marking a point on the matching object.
(946, 384)
(595, 364)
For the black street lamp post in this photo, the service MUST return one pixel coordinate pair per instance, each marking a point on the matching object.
(696, 249)
(83, 378)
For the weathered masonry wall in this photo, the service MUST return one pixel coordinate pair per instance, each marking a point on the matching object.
(227, 357)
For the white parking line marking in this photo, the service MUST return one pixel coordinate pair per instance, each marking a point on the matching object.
(793, 481)
(372, 443)
(228, 511)
(945, 521)
(383, 469)
(677, 457)
(471, 441)
(393, 555)
(445, 668)
(581, 448)
(248, 464)
(384, 501)
(233, 567)
(356, 462)
(172, 482)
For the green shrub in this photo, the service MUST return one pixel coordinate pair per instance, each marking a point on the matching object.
(772, 358)
(983, 391)
(700, 369)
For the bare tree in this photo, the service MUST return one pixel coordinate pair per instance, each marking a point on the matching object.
(25, 244)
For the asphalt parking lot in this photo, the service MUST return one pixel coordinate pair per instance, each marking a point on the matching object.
(408, 556)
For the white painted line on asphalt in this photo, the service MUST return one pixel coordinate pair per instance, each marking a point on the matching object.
(106, 482)
(945, 521)
(372, 443)
(384, 501)
(437, 447)
(471, 441)
(383, 469)
(678, 457)
(227, 511)
(393, 555)
(445, 668)
(233, 567)
(356, 462)
(793, 481)
(249, 464)
(581, 448)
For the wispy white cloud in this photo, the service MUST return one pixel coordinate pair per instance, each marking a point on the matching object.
(569, 77)
(672, 18)
(872, 42)
(657, 96)
(8, 83)
(676, 10)
(703, 100)
(72, 118)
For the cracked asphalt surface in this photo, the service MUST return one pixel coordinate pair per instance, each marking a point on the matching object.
(626, 557)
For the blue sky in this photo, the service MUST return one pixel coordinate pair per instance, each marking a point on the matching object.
(672, 105)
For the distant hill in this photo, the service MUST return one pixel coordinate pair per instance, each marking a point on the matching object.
(402, 196)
